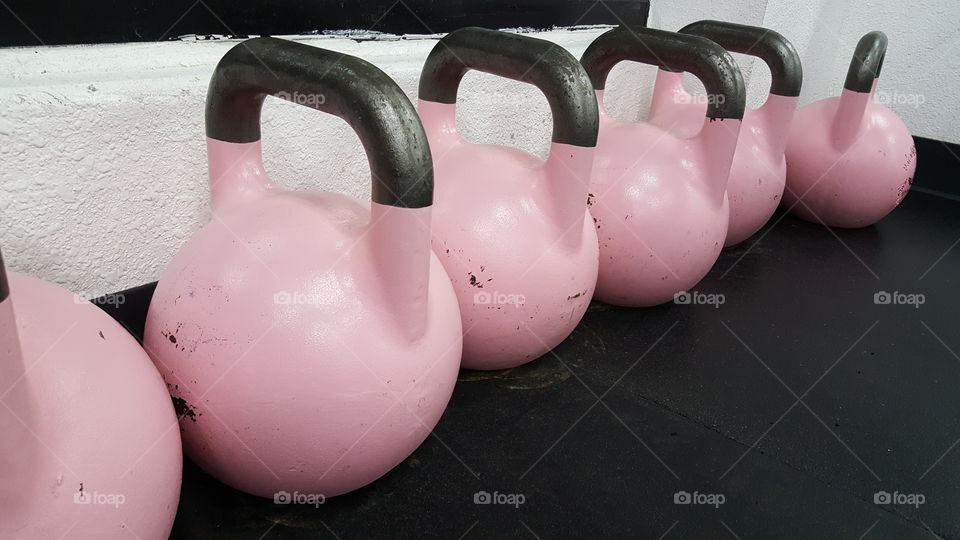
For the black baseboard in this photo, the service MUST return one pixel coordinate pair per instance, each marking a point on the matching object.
(128, 307)
(938, 167)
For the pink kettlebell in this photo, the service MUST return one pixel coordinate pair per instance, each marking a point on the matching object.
(511, 229)
(88, 440)
(658, 199)
(313, 339)
(759, 170)
(850, 159)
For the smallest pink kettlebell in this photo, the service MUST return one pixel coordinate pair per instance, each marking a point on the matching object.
(850, 159)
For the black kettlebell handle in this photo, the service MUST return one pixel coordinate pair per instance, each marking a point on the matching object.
(786, 70)
(549, 67)
(4, 286)
(866, 62)
(708, 61)
(339, 84)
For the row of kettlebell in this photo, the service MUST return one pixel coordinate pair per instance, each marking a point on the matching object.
(311, 341)
(668, 194)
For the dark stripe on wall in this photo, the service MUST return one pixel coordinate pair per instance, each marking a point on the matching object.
(58, 22)
(4, 286)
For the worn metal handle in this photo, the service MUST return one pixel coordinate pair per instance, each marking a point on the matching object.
(671, 51)
(342, 85)
(867, 62)
(549, 67)
(786, 70)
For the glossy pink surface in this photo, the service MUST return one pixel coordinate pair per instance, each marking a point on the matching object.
(660, 206)
(850, 161)
(758, 173)
(515, 237)
(314, 344)
(83, 406)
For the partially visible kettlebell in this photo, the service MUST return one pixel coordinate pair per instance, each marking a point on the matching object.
(312, 338)
(658, 199)
(88, 440)
(759, 170)
(850, 159)
(512, 230)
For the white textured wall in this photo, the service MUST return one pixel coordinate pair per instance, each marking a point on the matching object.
(102, 147)
(922, 66)
(104, 161)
